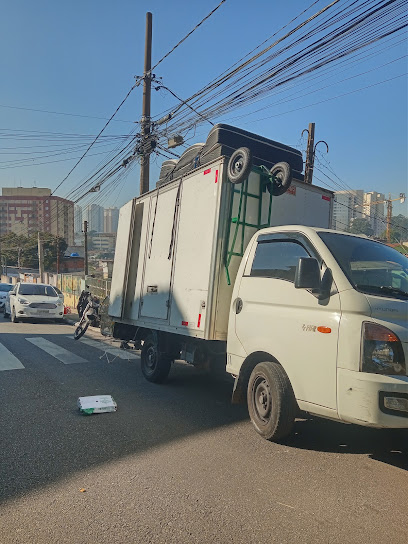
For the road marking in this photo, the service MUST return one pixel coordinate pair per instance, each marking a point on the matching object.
(56, 351)
(8, 361)
(117, 352)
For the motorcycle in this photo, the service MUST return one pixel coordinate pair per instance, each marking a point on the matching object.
(90, 316)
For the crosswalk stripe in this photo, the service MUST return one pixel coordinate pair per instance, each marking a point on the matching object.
(56, 351)
(8, 361)
(117, 352)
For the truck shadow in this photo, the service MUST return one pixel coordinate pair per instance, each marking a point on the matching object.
(45, 440)
(388, 446)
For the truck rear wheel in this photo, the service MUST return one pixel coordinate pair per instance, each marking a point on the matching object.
(271, 402)
(155, 364)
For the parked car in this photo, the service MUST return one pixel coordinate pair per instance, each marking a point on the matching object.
(34, 300)
(4, 289)
(59, 293)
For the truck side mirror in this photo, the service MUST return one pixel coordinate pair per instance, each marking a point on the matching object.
(307, 275)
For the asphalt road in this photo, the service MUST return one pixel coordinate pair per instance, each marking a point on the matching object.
(177, 463)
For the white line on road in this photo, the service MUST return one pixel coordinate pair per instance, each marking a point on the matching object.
(8, 361)
(56, 351)
(117, 352)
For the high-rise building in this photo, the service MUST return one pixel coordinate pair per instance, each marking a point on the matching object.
(94, 215)
(349, 205)
(26, 211)
(346, 208)
(373, 210)
(111, 220)
(78, 224)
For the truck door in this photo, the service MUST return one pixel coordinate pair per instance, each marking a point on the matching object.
(275, 318)
(155, 293)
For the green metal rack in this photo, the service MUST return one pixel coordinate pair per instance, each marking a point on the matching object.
(240, 219)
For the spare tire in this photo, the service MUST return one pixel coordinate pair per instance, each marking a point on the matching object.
(282, 174)
(239, 165)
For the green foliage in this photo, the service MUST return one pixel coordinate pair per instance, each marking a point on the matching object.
(399, 228)
(23, 250)
(361, 226)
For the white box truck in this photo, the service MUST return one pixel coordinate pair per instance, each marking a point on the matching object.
(227, 264)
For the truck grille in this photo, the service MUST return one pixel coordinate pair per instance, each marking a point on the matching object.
(43, 305)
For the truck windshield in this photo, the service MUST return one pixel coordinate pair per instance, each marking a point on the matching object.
(371, 267)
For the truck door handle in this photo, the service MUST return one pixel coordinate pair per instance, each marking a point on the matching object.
(238, 305)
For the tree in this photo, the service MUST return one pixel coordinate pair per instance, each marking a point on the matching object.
(399, 228)
(361, 226)
(23, 250)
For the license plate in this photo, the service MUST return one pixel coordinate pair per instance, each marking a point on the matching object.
(43, 311)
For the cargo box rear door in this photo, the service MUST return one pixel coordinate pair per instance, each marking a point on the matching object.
(121, 262)
(155, 293)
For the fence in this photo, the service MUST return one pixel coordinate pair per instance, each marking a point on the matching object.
(72, 287)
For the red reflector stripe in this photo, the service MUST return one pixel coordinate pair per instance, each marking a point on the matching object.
(216, 179)
(326, 197)
(207, 171)
(184, 323)
(199, 321)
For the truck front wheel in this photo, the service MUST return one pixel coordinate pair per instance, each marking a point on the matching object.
(271, 402)
(155, 364)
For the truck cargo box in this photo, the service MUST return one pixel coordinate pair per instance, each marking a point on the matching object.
(179, 246)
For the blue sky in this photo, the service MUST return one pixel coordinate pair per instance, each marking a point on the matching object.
(80, 57)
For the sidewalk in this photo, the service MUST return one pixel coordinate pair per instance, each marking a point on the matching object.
(71, 318)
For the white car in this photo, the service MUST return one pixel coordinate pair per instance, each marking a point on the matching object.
(4, 289)
(59, 293)
(34, 300)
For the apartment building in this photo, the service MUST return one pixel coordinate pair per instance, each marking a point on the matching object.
(346, 208)
(110, 220)
(26, 211)
(93, 213)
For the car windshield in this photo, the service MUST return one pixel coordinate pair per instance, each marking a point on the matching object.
(6, 287)
(33, 289)
(371, 267)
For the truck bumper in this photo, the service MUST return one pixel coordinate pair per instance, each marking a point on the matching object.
(372, 400)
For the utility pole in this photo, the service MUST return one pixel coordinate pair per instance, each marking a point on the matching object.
(58, 256)
(86, 246)
(40, 258)
(310, 154)
(389, 217)
(145, 120)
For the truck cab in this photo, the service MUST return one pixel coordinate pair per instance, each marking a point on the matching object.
(318, 323)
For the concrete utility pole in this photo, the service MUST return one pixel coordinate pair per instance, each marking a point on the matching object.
(86, 246)
(40, 259)
(145, 120)
(310, 154)
(58, 256)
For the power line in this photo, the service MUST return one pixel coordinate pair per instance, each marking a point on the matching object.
(61, 113)
(187, 35)
(106, 124)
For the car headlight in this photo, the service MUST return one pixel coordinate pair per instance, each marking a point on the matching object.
(23, 301)
(60, 303)
(382, 351)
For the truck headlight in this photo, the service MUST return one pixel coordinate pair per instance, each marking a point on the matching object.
(23, 301)
(382, 351)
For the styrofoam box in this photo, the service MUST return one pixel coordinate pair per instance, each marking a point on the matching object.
(97, 404)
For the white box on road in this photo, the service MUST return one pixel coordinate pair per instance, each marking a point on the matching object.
(97, 404)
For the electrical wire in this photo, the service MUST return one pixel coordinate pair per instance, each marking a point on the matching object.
(187, 36)
(94, 141)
